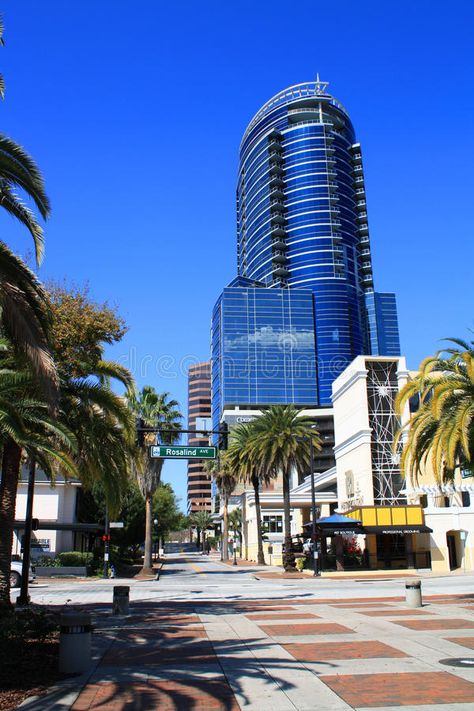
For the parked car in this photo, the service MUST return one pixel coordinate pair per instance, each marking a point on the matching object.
(15, 574)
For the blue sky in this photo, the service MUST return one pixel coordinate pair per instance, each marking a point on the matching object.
(135, 114)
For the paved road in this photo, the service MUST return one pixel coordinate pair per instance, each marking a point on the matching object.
(192, 576)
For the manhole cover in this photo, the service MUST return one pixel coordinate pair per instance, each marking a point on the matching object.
(458, 661)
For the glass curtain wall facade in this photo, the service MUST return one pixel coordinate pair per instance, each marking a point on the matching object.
(263, 347)
(302, 224)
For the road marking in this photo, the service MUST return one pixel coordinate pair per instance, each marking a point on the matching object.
(197, 569)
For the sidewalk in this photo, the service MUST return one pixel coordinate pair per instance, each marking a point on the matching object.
(280, 655)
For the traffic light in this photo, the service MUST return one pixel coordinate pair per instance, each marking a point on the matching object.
(106, 538)
(223, 435)
(140, 439)
(35, 524)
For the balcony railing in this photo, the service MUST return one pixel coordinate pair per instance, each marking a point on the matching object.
(281, 271)
(278, 232)
(276, 182)
(279, 257)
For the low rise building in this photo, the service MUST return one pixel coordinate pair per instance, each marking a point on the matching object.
(55, 507)
(407, 523)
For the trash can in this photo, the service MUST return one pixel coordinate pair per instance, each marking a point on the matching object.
(74, 642)
(413, 593)
(120, 602)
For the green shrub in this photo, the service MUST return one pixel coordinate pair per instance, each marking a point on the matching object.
(300, 564)
(29, 624)
(75, 558)
(46, 561)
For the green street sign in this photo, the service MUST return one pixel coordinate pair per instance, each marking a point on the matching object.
(169, 451)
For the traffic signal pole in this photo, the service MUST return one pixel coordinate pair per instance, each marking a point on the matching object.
(106, 542)
(24, 598)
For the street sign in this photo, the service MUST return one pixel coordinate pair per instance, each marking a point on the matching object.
(168, 451)
(116, 524)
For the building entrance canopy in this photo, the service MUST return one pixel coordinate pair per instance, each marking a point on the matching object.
(348, 525)
(336, 525)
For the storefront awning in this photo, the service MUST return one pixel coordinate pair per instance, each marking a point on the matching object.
(397, 530)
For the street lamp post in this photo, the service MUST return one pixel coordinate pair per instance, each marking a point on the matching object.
(313, 509)
(234, 562)
(155, 523)
(314, 552)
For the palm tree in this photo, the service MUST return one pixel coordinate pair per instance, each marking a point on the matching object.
(104, 428)
(155, 410)
(225, 478)
(281, 445)
(246, 467)
(441, 430)
(19, 171)
(94, 445)
(25, 318)
(202, 520)
(24, 309)
(26, 428)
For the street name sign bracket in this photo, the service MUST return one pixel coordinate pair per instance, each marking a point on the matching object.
(170, 451)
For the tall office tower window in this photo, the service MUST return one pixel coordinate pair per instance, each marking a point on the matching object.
(302, 223)
(199, 406)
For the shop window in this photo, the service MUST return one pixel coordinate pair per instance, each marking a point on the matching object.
(273, 524)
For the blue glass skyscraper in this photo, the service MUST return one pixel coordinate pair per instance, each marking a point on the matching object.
(302, 225)
(302, 220)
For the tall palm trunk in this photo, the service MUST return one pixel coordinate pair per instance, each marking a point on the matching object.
(147, 556)
(8, 488)
(225, 531)
(258, 512)
(288, 555)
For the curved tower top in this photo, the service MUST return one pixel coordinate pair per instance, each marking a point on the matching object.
(306, 90)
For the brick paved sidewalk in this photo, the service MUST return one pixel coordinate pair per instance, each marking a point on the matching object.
(305, 654)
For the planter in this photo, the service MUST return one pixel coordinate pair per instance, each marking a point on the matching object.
(66, 570)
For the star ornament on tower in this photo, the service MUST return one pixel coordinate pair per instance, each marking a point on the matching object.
(320, 86)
